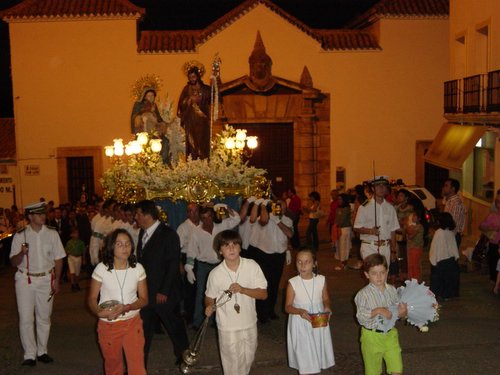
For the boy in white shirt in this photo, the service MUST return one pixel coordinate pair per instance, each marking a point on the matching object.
(236, 319)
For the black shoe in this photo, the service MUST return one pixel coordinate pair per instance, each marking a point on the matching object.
(45, 358)
(29, 362)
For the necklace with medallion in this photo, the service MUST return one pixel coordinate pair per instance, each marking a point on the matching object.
(121, 284)
(236, 305)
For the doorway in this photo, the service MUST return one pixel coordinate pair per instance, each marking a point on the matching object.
(274, 153)
(78, 166)
(80, 172)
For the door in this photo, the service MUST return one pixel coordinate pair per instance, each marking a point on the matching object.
(80, 174)
(274, 153)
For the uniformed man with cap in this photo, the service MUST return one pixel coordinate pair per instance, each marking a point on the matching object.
(38, 254)
(377, 222)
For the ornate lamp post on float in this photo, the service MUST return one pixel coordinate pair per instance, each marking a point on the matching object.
(142, 153)
(143, 146)
(238, 145)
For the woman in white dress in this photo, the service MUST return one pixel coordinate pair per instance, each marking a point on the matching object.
(309, 344)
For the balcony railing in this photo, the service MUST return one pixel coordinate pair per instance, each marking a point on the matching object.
(475, 94)
(493, 90)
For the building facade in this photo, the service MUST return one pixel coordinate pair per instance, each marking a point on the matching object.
(347, 100)
(467, 145)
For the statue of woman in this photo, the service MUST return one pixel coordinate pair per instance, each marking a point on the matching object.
(194, 112)
(146, 118)
(145, 114)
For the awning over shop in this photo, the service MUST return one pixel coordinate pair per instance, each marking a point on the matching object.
(453, 144)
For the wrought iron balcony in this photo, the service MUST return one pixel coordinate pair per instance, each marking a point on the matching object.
(473, 95)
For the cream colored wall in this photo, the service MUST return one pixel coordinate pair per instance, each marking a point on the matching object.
(383, 102)
(377, 96)
(466, 16)
(71, 83)
(77, 75)
(289, 48)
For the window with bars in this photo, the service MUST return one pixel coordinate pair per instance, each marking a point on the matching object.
(80, 172)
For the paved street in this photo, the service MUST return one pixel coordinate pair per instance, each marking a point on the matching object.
(466, 340)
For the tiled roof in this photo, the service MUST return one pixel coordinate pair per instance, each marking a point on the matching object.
(347, 39)
(7, 139)
(413, 7)
(187, 40)
(403, 9)
(171, 41)
(245, 7)
(33, 9)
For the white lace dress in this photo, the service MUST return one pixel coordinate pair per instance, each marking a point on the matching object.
(309, 349)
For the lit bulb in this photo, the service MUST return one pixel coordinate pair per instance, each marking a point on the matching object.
(155, 145)
(241, 135)
(118, 142)
(129, 149)
(136, 147)
(252, 142)
(240, 145)
(229, 143)
(142, 138)
(118, 146)
(108, 151)
(119, 151)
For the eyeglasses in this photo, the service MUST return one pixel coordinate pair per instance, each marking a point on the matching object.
(123, 244)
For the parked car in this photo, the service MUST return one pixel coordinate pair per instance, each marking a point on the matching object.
(424, 195)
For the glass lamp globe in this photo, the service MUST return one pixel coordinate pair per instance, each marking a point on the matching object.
(109, 151)
(129, 149)
(229, 143)
(142, 138)
(241, 135)
(252, 142)
(136, 147)
(155, 145)
(240, 145)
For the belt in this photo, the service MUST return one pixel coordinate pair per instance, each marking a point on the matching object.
(207, 263)
(377, 330)
(36, 274)
(376, 243)
(98, 235)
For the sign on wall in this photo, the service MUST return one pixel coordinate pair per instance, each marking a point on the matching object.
(32, 170)
(6, 185)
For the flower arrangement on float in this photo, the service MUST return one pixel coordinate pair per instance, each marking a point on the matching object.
(141, 173)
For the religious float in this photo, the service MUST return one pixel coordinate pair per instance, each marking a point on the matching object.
(155, 165)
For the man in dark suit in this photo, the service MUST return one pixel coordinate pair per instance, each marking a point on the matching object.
(159, 252)
(61, 224)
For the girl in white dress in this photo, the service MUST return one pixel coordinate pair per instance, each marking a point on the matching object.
(310, 348)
